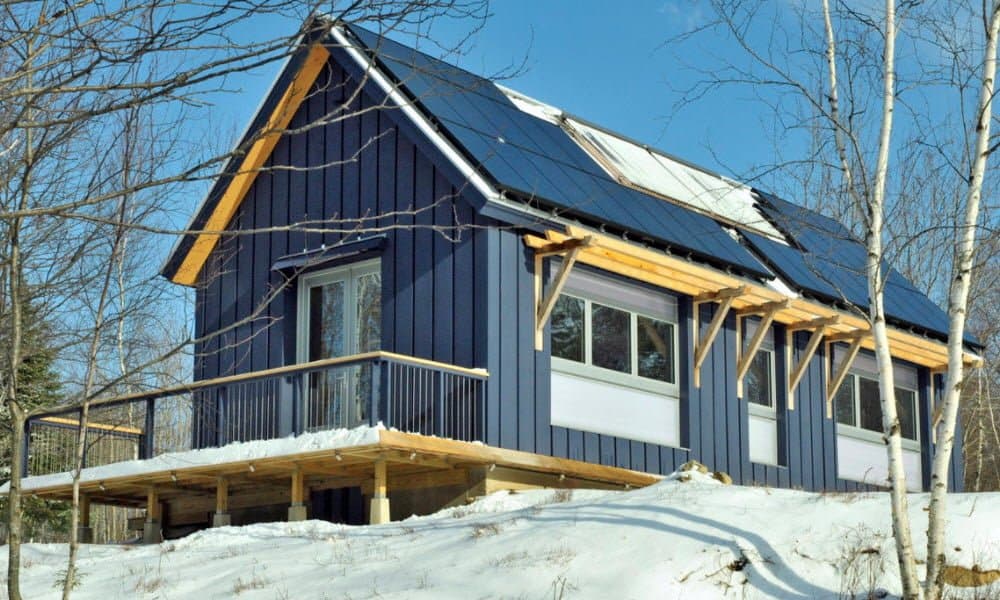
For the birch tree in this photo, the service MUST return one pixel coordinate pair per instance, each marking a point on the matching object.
(865, 141)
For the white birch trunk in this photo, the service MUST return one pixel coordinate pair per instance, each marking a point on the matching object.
(958, 301)
(887, 389)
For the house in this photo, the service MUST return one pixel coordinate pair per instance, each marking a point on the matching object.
(454, 259)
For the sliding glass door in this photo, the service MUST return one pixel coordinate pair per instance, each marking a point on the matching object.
(339, 314)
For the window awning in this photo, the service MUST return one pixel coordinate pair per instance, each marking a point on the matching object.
(329, 254)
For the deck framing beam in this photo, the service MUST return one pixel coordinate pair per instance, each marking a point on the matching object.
(725, 297)
(546, 301)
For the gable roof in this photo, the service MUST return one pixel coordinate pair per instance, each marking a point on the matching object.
(530, 160)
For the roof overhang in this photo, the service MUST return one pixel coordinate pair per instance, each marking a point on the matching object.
(686, 277)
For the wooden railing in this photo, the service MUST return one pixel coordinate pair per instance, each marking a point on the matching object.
(410, 394)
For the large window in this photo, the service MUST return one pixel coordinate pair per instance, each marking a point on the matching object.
(857, 404)
(614, 359)
(594, 334)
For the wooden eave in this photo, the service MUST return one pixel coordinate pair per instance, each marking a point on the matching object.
(241, 181)
(697, 280)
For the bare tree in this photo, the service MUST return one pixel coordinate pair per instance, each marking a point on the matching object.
(851, 170)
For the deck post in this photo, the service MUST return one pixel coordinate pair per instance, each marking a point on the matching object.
(221, 517)
(151, 531)
(297, 509)
(379, 509)
(84, 532)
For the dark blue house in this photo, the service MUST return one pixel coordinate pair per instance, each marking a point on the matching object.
(472, 263)
(613, 293)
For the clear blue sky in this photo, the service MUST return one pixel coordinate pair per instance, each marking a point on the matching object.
(603, 61)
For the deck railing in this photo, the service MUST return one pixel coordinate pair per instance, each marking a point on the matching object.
(406, 393)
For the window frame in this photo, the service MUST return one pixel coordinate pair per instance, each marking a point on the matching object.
(855, 430)
(348, 273)
(761, 410)
(588, 370)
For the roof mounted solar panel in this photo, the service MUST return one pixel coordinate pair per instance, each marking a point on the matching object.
(536, 159)
(652, 171)
(833, 264)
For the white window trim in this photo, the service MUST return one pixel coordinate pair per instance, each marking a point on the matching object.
(759, 409)
(587, 370)
(867, 435)
(347, 273)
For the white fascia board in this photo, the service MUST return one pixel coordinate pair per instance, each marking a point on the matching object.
(418, 119)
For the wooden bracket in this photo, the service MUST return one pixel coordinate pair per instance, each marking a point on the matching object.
(935, 409)
(835, 380)
(222, 495)
(569, 250)
(817, 326)
(744, 358)
(725, 298)
(298, 494)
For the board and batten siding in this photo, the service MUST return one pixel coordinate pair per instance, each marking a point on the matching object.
(470, 302)
(360, 167)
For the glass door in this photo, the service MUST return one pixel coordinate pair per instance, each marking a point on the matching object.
(340, 314)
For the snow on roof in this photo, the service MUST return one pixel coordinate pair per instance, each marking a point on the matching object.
(230, 453)
(533, 107)
(653, 171)
(649, 170)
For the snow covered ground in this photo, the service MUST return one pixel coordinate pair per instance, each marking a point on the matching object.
(693, 539)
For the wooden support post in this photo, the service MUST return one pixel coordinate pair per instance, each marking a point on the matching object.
(152, 532)
(297, 508)
(545, 302)
(379, 509)
(725, 299)
(221, 518)
(835, 380)
(817, 326)
(84, 533)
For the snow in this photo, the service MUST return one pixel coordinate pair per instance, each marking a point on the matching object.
(230, 453)
(686, 537)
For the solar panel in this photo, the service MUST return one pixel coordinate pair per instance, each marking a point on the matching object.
(539, 160)
(833, 265)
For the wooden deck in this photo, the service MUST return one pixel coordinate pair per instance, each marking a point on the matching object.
(424, 473)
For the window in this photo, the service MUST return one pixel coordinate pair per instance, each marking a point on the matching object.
(614, 360)
(611, 338)
(758, 384)
(339, 314)
(858, 404)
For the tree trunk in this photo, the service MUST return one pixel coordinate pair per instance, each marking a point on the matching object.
(958, 302)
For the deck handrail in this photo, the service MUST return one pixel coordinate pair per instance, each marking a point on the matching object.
(254, 375)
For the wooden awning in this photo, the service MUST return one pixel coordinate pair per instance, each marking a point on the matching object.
(697, 280)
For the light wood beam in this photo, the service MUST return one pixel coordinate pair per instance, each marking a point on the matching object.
(725, 297)
(298, 486)
(817, 326)
(222, 495)
(746, 357)
(837, 379)
(545, 302)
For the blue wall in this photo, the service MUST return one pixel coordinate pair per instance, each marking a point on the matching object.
(469, 301)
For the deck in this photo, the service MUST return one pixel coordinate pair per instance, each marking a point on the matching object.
(389, 426)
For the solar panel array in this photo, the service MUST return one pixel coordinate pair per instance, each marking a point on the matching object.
(833, 265)
(538, 160)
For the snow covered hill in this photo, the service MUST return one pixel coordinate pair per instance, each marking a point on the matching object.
(677, 539)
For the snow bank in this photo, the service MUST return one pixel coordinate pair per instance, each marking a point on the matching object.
(230, 453)
(685, 537)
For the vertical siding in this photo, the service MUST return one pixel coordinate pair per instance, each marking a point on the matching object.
(358, 168)
(469, 300)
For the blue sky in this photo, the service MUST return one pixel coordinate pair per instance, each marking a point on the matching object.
(603, 61)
